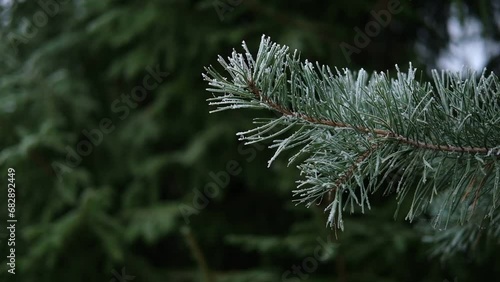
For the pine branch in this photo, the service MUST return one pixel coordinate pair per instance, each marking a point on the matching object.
(359, 133)
(379, 132)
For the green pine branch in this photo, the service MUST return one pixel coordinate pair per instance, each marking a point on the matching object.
(362, 133)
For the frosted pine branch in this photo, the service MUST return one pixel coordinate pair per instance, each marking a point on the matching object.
(442, 138)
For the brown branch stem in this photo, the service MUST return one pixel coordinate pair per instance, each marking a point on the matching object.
(208, 275)
(350, 171)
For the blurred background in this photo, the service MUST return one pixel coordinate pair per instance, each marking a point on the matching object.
(123, 175)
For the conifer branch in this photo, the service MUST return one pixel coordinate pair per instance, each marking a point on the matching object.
(441, 138)
(378, 132)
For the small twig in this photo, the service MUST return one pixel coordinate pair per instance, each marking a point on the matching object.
(469, 187)
(198, 254)
(350, 171)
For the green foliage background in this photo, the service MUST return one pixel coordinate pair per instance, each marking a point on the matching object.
(121, 207)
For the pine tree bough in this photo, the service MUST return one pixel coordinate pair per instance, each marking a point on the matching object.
(379, 132)
(438, 141)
